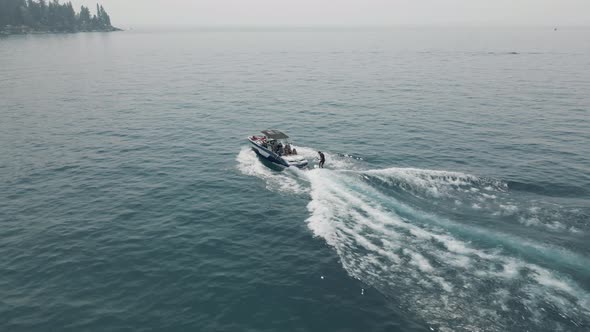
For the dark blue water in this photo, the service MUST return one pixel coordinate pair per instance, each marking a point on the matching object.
(456, 195)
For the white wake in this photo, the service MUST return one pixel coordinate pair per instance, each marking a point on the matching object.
(446, 280)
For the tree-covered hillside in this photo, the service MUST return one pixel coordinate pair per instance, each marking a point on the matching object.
(26, 16)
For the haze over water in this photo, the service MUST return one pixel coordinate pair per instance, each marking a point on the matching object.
(455, 196)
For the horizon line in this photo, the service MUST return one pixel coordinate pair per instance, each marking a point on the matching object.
(425, 25)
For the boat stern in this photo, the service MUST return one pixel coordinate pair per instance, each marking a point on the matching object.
(296, 161)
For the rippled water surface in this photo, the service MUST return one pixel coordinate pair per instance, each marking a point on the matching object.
(455, 198)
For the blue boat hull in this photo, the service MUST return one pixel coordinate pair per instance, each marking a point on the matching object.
(268, 155)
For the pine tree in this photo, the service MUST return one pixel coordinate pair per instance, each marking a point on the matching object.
(106, 20)
(43, 15)
(26, 17)
(70, 16)
(84, 18)
(98, 17)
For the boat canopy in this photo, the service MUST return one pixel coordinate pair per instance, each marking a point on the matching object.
(274, 134)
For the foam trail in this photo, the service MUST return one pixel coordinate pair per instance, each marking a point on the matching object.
(249, 164)
(435, 182)
(541, 252)
(486, 195)
(428, 262)
(449, 283)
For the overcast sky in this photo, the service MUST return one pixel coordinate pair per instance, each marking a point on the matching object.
(345, 12)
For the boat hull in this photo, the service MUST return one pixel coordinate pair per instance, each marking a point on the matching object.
(273, 157)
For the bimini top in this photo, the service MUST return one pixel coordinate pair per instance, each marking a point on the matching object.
(274, 134)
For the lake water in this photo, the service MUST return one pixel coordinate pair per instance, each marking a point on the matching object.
(456, 193)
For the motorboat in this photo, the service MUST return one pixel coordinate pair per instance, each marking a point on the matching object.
(275, 146)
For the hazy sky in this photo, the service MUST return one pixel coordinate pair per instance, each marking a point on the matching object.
(345, 12)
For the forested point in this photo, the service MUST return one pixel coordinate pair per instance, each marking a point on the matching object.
(29, 16)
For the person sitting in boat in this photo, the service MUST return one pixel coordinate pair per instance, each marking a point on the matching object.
(294, 151)
(288, 149)
(280, 149)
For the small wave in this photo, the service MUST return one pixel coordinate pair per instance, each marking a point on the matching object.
(549, 189)
(486, 195)
(435, 183)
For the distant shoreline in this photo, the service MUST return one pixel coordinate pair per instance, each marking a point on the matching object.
(25, 30)
(20, 17)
